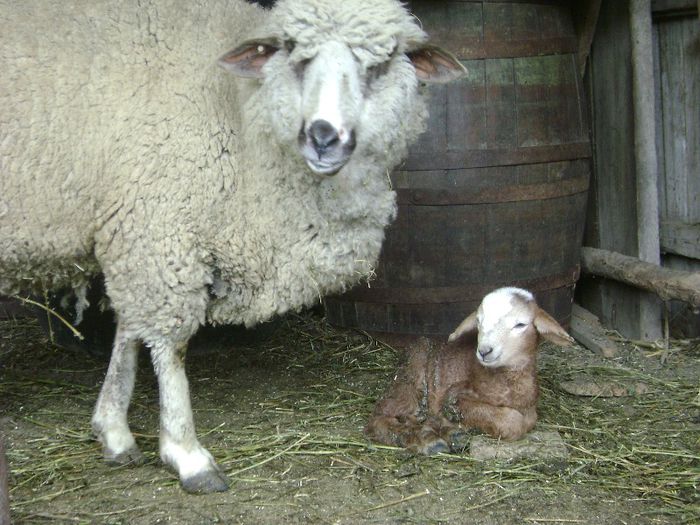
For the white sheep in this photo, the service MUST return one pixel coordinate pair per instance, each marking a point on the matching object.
(489, 384)
(125, 149)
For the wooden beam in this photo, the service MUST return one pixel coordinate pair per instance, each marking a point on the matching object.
(587, 330)
(664, 282)
(673, 6)
(681, 239)
(585, 20)
(643, 95)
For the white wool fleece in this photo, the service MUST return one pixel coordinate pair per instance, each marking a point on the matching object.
(374, 30)
(125, 149)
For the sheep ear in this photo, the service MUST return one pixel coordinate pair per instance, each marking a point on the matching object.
(551, 330)
(248, 59)
(465, 327)
(435, 65)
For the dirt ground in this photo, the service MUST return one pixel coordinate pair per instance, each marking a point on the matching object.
(283, 415)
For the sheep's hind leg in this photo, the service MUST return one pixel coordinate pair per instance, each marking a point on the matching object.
(179, 447)
(109, 421)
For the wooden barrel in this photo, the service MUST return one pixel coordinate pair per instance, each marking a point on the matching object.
(494, 193)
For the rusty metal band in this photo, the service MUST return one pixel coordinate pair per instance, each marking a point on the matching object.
(512, 193)
(459, 160)
(477, 49)
(455, 294)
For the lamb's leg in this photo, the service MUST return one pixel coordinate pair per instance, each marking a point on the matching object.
(179, 447)
(406, 433)
(498, 421)
(109, 421)
(396, 421)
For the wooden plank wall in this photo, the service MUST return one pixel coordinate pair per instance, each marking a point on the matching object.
(677, 79)
(612, 216)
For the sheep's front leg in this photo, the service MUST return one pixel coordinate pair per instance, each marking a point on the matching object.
(179, 447)
(109, 421)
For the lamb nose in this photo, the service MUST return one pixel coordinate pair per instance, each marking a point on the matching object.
(323, 135)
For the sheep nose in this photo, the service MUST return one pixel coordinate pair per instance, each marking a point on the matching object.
(485, 350)
(323, 136)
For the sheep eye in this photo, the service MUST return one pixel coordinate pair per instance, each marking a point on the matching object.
(265, 49)
(519, 326)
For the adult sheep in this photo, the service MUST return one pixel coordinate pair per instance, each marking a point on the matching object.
(125, 150)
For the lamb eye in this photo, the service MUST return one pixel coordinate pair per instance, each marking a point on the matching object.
(519, 326)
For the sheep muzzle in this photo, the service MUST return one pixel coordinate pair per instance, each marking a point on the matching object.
(325, 148)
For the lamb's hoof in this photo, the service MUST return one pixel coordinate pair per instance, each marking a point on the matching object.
(131, 456)
(459, 440)
(436, 447)
(206, 482)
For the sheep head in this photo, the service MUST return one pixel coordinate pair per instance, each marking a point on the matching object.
(344, 77)
(510, 324)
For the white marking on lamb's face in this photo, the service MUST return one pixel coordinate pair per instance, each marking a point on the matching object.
(505, 323)
(331, 103)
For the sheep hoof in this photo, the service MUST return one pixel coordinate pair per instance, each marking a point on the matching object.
(131, 456)
(436, 447)
(206, 482)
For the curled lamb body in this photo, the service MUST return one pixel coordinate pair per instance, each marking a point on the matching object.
(126, 150)
(489, 383)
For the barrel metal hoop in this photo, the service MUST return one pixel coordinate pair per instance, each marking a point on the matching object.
(513, 193)
(456, 294)
(475, 49)
(478, 158)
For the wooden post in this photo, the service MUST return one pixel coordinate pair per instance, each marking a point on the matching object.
(645, 156)
(585, 20)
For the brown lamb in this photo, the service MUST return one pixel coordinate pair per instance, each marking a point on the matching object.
(486, 382)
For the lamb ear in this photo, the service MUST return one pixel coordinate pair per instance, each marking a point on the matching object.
(551, 330)
(248, 59)
(435, 65)
(465, 327)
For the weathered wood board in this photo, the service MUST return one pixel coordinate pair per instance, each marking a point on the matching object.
(612, 217)
(678, 131)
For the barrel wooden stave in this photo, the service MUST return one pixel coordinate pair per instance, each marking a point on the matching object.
(494, 193)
